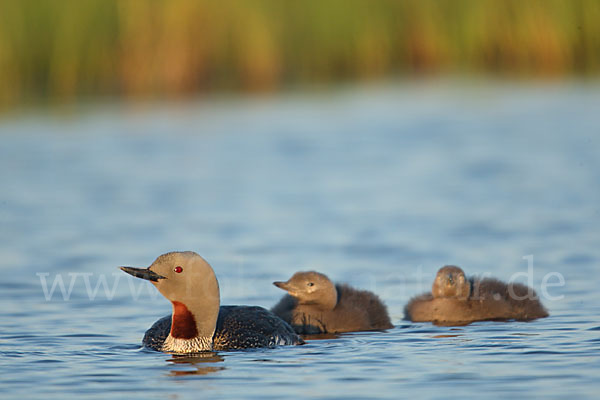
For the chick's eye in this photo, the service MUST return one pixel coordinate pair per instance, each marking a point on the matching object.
(178, 269)
(310, 284)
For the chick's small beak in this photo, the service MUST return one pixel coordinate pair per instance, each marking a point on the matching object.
(282, 285)
(144, 273)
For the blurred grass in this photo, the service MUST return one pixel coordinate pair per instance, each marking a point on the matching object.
(59, 51)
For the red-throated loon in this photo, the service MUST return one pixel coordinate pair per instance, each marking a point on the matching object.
(198, 322)
(454, 299)
(315, 305)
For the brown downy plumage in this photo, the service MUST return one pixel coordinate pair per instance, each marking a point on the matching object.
(316, 305)
(456, 300)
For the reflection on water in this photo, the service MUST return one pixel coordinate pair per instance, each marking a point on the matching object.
(445, 336)
(321, 336)
(198, 364)
(375, 188)
(197, 371)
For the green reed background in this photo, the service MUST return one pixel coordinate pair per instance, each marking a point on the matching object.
(64, 50)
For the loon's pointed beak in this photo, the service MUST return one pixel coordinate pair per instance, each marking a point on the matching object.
(144, 273)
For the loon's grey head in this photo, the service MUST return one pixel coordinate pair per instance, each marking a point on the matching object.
(311, 288)
(450, 281)
(189, 282)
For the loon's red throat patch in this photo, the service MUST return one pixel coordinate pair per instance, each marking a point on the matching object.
(183, 325)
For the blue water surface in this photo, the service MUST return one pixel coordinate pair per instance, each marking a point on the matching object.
(377, 187)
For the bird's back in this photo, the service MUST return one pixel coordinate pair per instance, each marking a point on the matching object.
(238, 327)
(243, 327)
(353, 301)
(522, 300)
(356, 310)
(490, 299)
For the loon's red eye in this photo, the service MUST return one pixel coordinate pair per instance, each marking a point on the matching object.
(178, 269)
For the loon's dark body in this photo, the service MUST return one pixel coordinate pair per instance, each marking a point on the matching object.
(238, 327)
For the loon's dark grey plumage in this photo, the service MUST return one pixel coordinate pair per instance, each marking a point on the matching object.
(198, 323)
(238, 327)
(316, 305)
